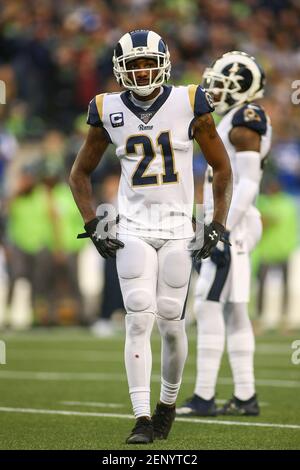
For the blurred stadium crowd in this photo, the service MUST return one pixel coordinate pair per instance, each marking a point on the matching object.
(54, 57)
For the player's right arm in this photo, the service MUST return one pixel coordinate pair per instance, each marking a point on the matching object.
(86, 161)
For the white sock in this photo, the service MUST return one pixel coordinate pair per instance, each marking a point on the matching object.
(210, 346)
(138, 360)
(173, 356)
(241, 346)
(140, 399)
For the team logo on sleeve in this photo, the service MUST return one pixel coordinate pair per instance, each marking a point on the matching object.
(117, 119)
(251, 115)
(209, 99)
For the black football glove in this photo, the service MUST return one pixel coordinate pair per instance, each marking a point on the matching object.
(221, 258)
(107, 247)
(213, 233)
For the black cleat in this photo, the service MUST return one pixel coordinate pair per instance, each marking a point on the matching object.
(197, 406)
(142, 432)
(162, 420)
(236, 407)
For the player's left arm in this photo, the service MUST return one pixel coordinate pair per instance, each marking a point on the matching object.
(246, 142)
(206, 135)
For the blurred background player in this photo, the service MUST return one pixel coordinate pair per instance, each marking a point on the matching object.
(153, 127)
(222, 291)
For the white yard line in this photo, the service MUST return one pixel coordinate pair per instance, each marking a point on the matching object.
(84, 376)
(261, 350)
(95, 356)
(66, 355)
(77, 376)
(125, 416)
(71, 356)
(274, 349)
(55, 336)
(95, 404)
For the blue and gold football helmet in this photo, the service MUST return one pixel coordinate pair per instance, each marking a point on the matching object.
(141, 44)
(233, 79)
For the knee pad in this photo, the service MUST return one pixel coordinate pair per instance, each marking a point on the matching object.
(137, 300)
(169, 308)
(173, 276)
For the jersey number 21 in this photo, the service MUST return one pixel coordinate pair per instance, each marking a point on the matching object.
(139, 178)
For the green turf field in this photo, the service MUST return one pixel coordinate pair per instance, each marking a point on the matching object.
(64, 389)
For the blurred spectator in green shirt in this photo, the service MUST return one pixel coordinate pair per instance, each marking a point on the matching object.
(42, 225)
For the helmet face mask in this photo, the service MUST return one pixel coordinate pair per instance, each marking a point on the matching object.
(234, 79)
(146, 45)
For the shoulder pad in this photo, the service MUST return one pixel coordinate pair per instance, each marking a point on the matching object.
(252, 116)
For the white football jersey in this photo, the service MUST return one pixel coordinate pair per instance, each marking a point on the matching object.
(249, 115)
(155, 148)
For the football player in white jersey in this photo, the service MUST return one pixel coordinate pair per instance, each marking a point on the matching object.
(235, 81)
(152, 126)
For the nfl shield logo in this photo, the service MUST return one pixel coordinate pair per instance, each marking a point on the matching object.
(146, 117)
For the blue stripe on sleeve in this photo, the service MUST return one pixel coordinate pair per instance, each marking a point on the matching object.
(203, 104)
(251, 116)
(93, 117)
